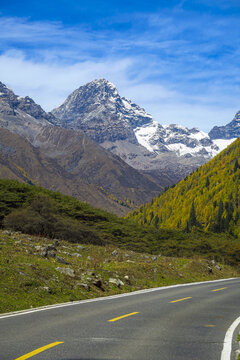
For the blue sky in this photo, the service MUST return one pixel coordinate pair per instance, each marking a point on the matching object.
(177, 59)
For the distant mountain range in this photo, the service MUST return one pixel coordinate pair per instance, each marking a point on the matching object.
(65, 160)
(100, 147)
(169, 152)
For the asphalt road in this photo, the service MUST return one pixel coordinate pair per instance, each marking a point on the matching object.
(159, 327)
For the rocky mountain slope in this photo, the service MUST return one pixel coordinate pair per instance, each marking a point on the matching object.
(168, 152)
(21, 161)
(227, 132)
(74, 157)
(208, 199)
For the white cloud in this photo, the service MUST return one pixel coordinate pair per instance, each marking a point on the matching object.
(50, 83)
(176, 77)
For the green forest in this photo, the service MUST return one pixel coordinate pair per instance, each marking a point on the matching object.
(208, 199)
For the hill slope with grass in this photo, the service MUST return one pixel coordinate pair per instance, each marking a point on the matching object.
(208, 199)
(37, 271)
(37, 211)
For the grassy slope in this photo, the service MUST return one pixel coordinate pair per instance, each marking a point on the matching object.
(81, 222)
(28, 279)
(216, 181)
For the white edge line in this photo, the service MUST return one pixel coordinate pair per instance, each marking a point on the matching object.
(227, 344)
(49, 307)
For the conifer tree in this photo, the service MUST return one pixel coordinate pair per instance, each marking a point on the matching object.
(156, 221)
(220, 223)
(151, 216)
(207, 182)
(236, 165)
(192, 221)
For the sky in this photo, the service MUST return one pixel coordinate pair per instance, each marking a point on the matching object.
(178, 59)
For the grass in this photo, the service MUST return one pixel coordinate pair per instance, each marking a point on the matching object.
(32, 209)
(27, 279)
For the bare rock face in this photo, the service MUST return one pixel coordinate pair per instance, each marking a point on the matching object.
(228, 132)
(11, 104)
(101, 113)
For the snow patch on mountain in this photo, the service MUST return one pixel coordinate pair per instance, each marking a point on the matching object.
(179, 139)
(223, 143)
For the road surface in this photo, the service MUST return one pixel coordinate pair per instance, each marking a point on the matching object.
(185, 322)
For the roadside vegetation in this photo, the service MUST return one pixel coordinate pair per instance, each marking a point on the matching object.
(37, 271)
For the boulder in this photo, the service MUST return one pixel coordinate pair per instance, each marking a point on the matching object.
(66, 271)
(76, 255)
(51, 253)
(82, 285)
(97, 283)
(56, 243)
(210, 270)
(44, 252)
(117, 282)
(61, 260)
(85, 286)
(20, 242)
(47, 289)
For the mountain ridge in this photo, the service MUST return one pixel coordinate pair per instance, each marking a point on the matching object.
(128, 131)
(107, 175)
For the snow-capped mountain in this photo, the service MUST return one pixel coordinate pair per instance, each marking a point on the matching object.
(33, 149)
(97, 109)
(129, 131)
(181, 140)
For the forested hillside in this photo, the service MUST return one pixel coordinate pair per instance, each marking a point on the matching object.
(208, 199)
(33, 210)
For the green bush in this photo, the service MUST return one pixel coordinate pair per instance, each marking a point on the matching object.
(41, 217)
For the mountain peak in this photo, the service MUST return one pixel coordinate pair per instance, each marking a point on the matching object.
(102, 81)
(4, 89)
(100, 87)
(11, 104)
(230, 131)
(101, 113)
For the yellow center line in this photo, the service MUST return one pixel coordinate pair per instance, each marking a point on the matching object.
(123, 316)
(220, 289)
(210, 325)
(181, 299)
(37, 351)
